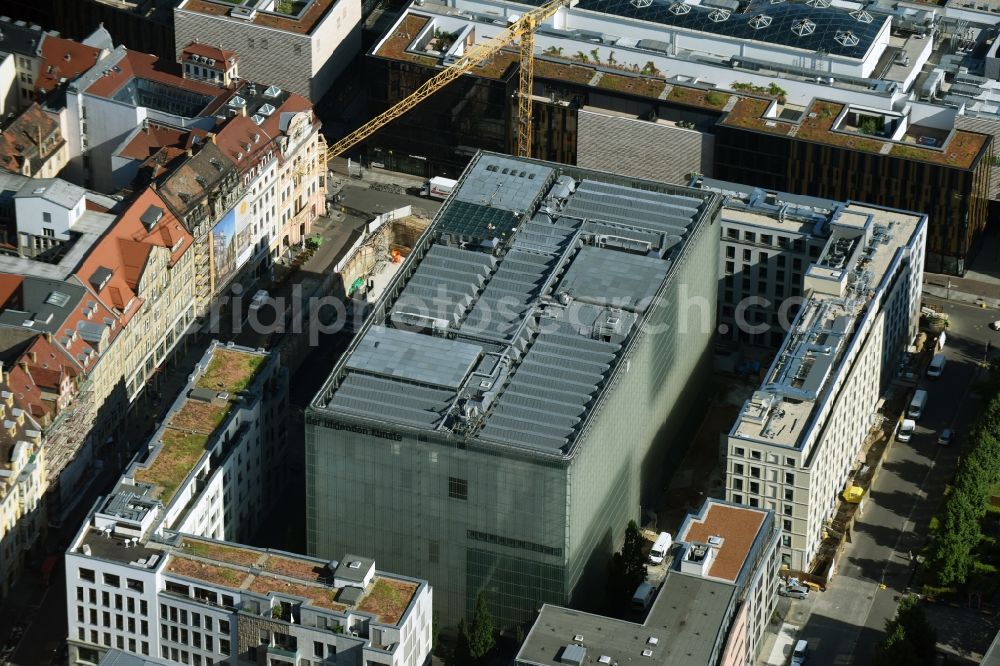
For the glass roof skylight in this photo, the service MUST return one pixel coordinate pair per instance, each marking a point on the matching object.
(803, 27)
(760, 21)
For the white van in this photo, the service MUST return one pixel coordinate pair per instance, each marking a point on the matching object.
(660, 548)
(937, 365)
(800, 653)
(917, 404)
(643, 597)
(906, 430)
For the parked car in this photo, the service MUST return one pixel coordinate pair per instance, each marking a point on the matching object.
(800, 653)
(946, 437)
(995, 325)
(259, 299)
(794, 591)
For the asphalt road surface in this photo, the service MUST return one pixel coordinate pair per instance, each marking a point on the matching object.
(844, 624)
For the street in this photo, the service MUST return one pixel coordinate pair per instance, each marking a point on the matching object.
(844, 624)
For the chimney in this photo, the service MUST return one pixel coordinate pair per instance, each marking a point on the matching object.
(48, 336)
(189, 152)
(211, 136)
(152, 185)
(33, 356)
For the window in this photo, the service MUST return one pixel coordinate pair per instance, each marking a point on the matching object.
(750, 236)
(789, 478)
(790, 462)
(317, 649)
(755, 487)
(788, 509)
(46, 217)
(766, 239)
(786, 525)
(730, 252)
(738, 499)
(786, 541)
(134, 584)
(224, 629)
(732, 233)
(755, 472)
(737, 468)
(87, 575)
(747, 255)
(789, 494)
(738, 451)
(730, 268)
(458, 488)
(112, 580)
(224, 646)
(754, 502)
(79, 594)
(737, 484)
(755, 454)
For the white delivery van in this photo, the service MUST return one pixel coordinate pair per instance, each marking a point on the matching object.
(917, 404)
(937, 365)
(643, 597)
(439, 188)
(660, 548)
(906, 430)
(800, 653)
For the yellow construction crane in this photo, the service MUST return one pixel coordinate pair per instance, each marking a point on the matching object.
(522, 29)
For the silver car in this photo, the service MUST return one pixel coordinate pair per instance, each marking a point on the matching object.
(794, 591)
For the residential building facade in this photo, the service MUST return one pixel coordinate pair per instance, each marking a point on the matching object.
(553, 339)
(795, 443)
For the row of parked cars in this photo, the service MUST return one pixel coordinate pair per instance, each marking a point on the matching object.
(917, 404)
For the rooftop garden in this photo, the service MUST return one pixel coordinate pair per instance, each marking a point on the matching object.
(709, 99)
(177, 456)
(388, 599)
(561, 72)
(301, 569)
(395, 45)
(243, 557)
(290, 7)
(210, 573)
(203, 417)
(817, 125)
(230, 371)
(322, 597)
(632, 85)
(960, 151)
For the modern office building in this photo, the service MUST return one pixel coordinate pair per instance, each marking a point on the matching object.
(664, 91)
(795, 443)
(302, 46)
(768, 240)
(842, 151)
(713, 607)
(506, 407)
(154, 571)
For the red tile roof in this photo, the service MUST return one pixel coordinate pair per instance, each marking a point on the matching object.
(243, 141)
(136, 65)
(125, 249)
(63, 59)
(43, 365)
(23, 140)
(153, 136)
(204, 50)
(738, 526)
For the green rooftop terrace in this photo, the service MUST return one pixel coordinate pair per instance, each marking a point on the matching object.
(241, 567)
(188, 432)
(961, 150)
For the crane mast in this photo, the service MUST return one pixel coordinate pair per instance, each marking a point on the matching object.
(522, 29)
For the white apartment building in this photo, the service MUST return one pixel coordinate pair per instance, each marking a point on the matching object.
(46, 211)
(796, 440)
(149, 573)
(768, 240)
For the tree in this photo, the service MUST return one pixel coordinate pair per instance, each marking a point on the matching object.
(634, 555)
(462, 654)
(909, 637)
(481, 639)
